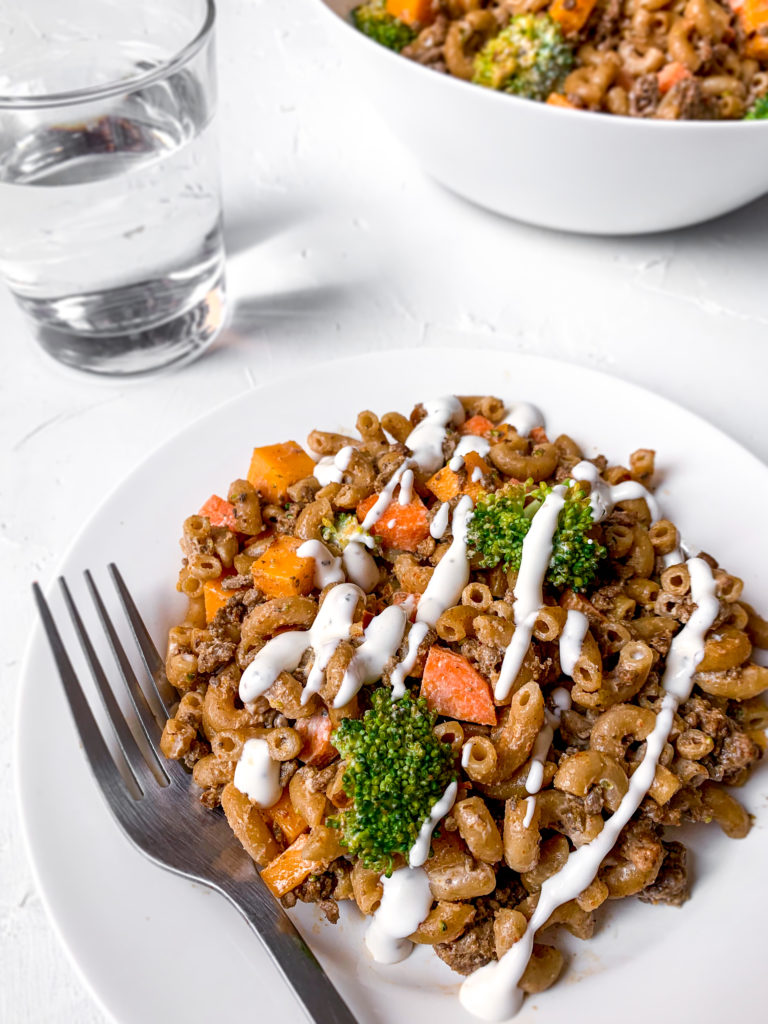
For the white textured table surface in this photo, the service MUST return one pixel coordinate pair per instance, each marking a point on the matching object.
(338, 244)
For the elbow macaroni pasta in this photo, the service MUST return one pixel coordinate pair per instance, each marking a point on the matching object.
(520, 810)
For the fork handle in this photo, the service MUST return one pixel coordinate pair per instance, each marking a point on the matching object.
(289, 952)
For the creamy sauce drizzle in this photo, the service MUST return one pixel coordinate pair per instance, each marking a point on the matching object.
(537, 551)
(331, 468)
(284, 652)
(426, 438)
(456, 463)
(420, 849)
(405, 903)
(407, 896)
(572, 639)
(535, 779)
(451, 573)
(400, 672)
(406, 488)
(491, 993)
(524, 417)
(327, 567)
(443, 590)
(257, 775)
(439, 523)
(472, 443)
(360, 565)
(604, 497)
(466, 751)
(382, 639)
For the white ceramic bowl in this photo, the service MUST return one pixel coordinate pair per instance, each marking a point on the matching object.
(570, 170)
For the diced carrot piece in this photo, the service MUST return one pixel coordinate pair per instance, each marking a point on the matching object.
(289, 869)
(756, 47)
(219, 512)
(276, 466)
(317, 749)
(754, 15)
(452, 687)
(480, 426)
(402, 526)
(446, 483)
(671, 74)
(279, 572)
(556, 99)
(285, 816)
(413, 12)
(215, 597)
(474, 463)
(539, 435)
(572, 15)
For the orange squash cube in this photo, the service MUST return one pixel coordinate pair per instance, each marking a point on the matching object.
(285, 816)
(215, 597)
(275, 467)
(289, 869)
(280, 572)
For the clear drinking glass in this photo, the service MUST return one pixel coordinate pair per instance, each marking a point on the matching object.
(110, 215)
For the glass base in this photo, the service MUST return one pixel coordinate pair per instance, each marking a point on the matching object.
(137, 350)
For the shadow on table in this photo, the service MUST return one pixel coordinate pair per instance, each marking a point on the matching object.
(747, 227)
(245, 229)
(251, 313)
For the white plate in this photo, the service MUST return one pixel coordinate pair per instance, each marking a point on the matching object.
(156, 948)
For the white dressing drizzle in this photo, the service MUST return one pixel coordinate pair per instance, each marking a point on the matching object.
(405, 902)
(426, 438)
(381, 641)
(537, 551)
(439, 523)
(284, 652)
(466, 751)
(533, 783)
(456, 463)
(472, 443)
(360, 565)
(477, 475)
(443, 590)
(420, 849)
(491, 993)
(327, 567)
(384, 500)
(400, 672)
(451, 573)
(406, 488)
(524, 417)
(331, 468)
(604, 496)
(571, 640)
(257, 775)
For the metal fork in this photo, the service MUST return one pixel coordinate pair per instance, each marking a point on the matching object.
(164, 822)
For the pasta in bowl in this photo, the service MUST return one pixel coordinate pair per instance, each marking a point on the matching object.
(461, 676)
(609, 153)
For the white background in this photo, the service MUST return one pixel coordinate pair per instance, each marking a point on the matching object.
(338, 244)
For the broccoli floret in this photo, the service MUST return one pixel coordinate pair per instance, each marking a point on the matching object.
(397, 769)
(374, 20)
(759, 110)
(502, 519)
(338, 531)
(528, 58)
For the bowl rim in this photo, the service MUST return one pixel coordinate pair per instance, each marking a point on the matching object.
(510, 101)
